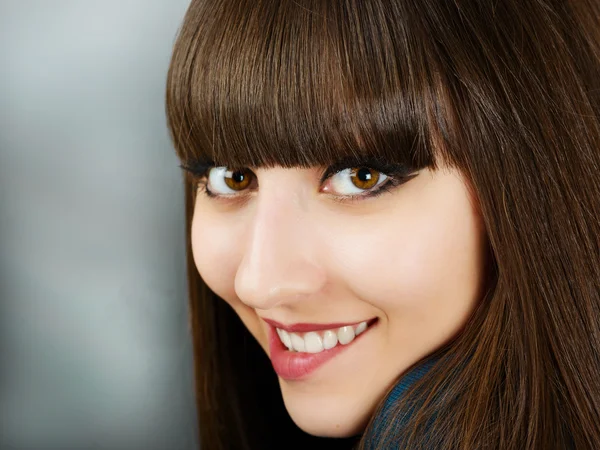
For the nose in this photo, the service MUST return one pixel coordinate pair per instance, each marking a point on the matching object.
(279, 264)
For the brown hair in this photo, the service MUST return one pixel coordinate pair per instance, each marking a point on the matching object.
(508, 92)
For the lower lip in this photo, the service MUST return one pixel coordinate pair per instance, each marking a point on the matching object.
(296, 365)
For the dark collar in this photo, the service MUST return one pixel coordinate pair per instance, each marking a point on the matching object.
(384, 419)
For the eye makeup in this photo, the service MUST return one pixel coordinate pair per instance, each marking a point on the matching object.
(396, 173)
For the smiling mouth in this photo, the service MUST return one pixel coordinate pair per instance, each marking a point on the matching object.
(319, 341)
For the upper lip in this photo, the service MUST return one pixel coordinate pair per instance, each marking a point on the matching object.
(304, 327)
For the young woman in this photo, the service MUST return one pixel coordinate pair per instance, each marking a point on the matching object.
(393, 211)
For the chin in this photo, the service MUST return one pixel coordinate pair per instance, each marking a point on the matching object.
(325, 417)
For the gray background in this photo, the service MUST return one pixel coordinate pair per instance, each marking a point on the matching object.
(94, 345)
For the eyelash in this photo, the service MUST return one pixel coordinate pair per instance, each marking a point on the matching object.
(397, 174)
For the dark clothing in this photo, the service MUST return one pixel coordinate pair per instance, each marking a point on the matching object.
(383, 420)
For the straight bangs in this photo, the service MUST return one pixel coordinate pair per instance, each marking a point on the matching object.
(301, 84)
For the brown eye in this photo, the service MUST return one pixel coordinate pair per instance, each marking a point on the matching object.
(352, 182)
(356, 180)
(221, 181)
(364, 177)
(237, 179)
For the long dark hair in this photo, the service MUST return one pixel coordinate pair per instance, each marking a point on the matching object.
(506, 91)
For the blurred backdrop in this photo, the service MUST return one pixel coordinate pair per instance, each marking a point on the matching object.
(94, 345)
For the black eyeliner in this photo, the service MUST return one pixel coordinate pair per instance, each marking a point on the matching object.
(397, 173)
(198, 168)
(391, 169)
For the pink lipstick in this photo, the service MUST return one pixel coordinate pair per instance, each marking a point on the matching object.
(294, 365)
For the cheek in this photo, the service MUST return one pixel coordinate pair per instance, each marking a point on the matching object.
(423, 270)
(438, 262)
(216, 250)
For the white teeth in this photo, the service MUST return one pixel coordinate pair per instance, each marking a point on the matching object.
(361, 327)
(285, 338)
(329, 339)
(345, 335)
(313, 342)
(297, 342)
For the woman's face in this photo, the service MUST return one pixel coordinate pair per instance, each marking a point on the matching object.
(409, 262)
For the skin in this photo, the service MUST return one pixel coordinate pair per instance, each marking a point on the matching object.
(287, 251)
